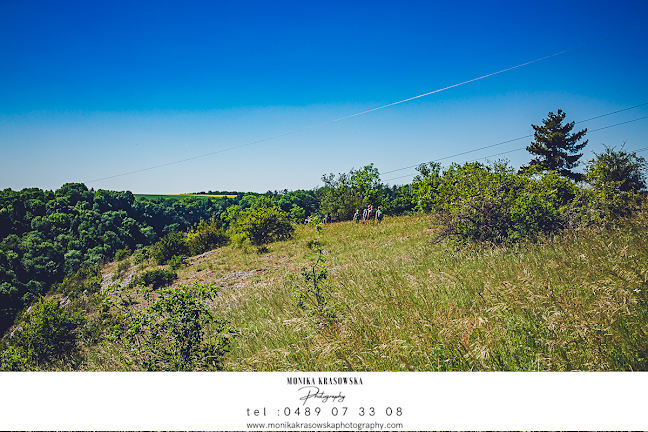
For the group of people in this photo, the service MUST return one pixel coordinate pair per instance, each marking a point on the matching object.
(368, 214)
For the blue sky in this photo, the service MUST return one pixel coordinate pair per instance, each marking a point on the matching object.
(96, 89)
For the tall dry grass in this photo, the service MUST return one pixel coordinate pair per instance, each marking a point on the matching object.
(576, 301)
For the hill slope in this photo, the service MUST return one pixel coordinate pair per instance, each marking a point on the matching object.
(398, 300)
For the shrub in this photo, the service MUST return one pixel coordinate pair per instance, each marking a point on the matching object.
(47, 335)
(170, 334)
(603, 203)
(205, 237)
(617, 166)
(297, 214)
(140, 256)
(123, 266)
(122, 253)
(13, 359)
(262, 226)
(492, 203)
(173, 244)
(155, 278)
(177, 261)
(87, 278)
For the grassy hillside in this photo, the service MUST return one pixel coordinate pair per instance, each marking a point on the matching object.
(402, 301)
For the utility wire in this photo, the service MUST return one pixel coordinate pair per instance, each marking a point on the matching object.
(523, 148)
(474, 160)
(593, 130)
(470, 151)
(515, 139)
(364, 112)
(370, 110)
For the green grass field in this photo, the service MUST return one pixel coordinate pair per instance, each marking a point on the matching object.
(403, 301)
(151, 197)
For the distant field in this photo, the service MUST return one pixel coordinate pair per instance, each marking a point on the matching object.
(152, 197)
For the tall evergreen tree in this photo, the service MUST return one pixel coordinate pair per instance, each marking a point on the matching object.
(555, 147)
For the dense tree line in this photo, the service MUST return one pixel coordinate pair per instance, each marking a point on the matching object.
(45, 235)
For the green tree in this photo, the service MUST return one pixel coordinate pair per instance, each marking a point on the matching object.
(367, 182)
(617, 166)
(427, 186)
(338, 196)
(306, 200)
(297, 214)
(398, 200)
(341, 196)
(555, 147)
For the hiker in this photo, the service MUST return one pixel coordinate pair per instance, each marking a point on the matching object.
(379, 215)
(364, 215)
(356, 216)
(372, 213)
(327, 218)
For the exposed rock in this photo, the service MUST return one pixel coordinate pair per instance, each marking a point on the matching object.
(105, 281)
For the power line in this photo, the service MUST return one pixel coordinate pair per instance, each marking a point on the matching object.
(474, 160)
(371, 110)
(515, 139)
(498, 154)
(470, 151)
(368, 111)
(593, 130)
(523, 148)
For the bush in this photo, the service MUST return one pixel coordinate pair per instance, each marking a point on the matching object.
(297, 214)
(205, 237)
(13, 359)
(48, 335)
(262, 226)
(494, 204)
(140, 256)
(155, 278)
(122, 268)
(617, 166)
(122, 253)
(170, 335)
(173, 244)
(177, 261)
(87, 278)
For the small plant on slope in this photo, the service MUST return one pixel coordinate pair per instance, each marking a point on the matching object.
(312, 295)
